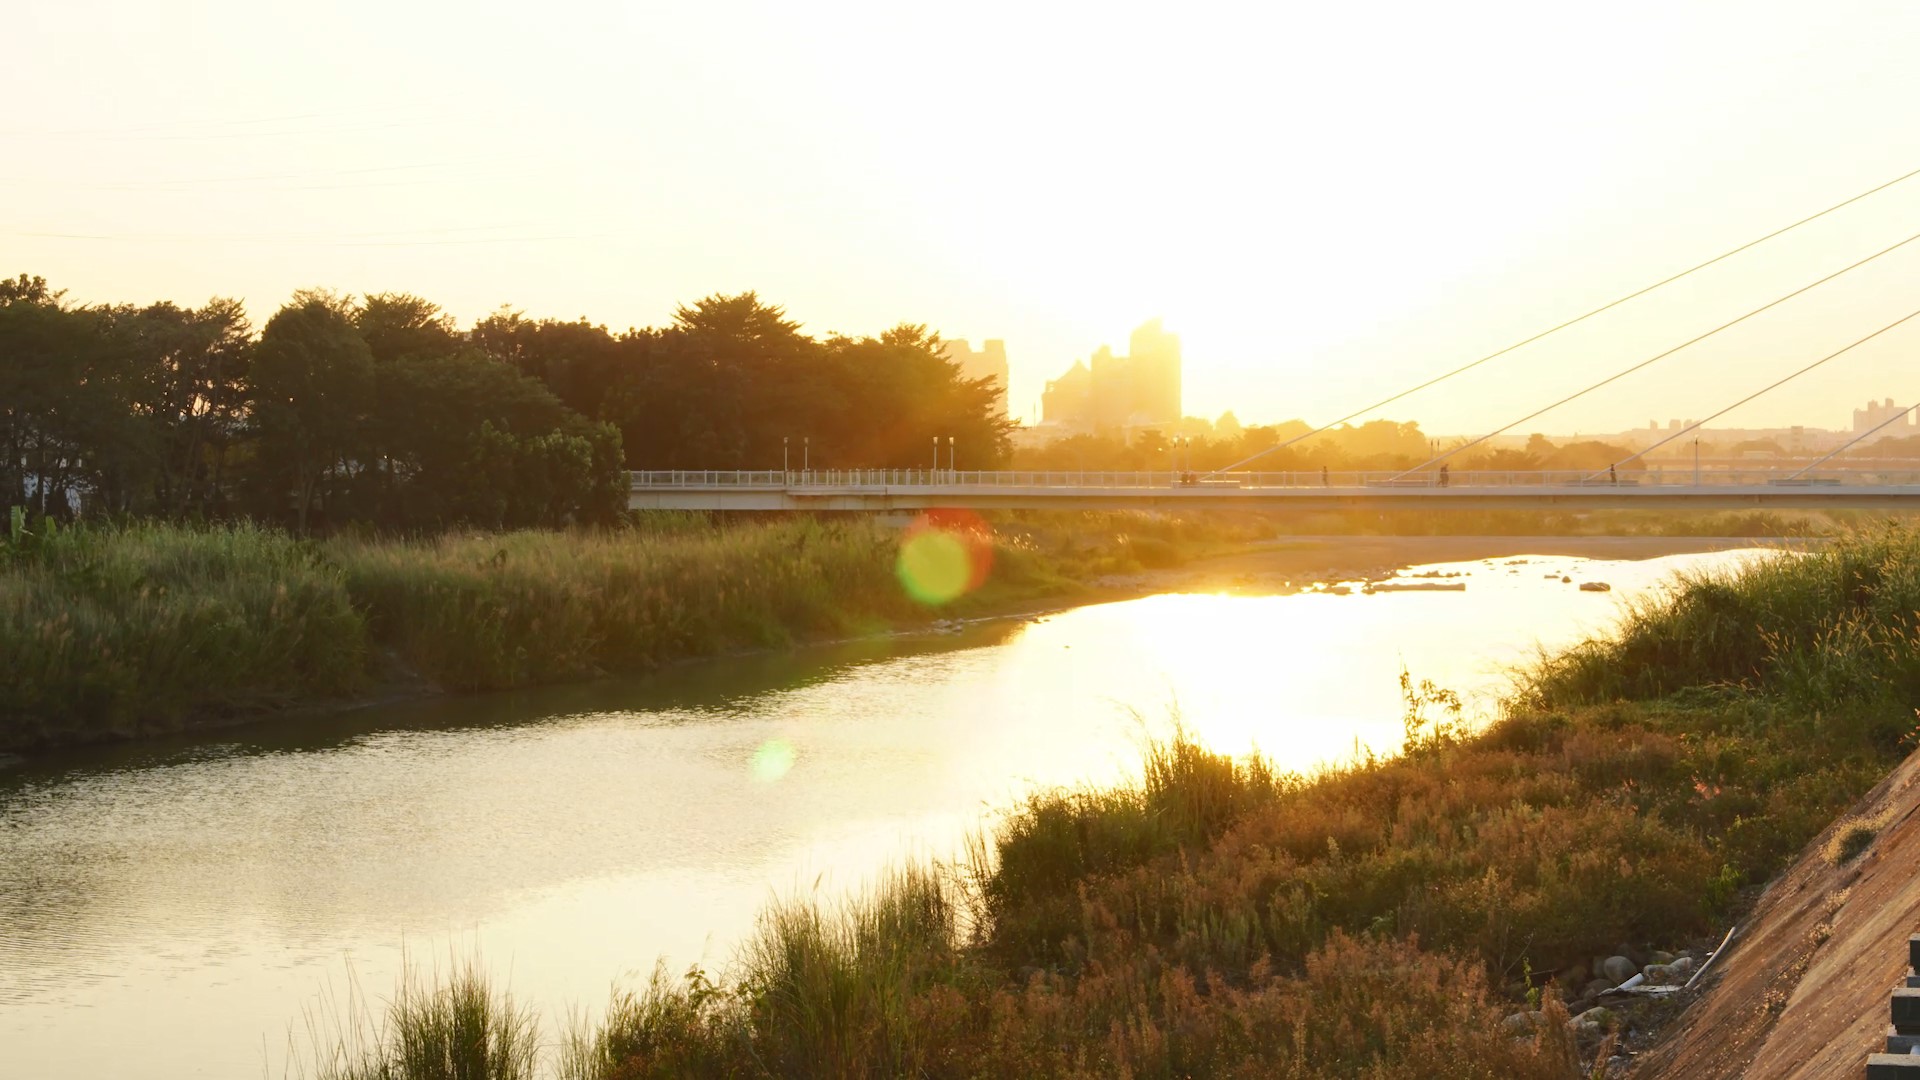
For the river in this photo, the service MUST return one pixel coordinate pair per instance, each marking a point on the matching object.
(174, 909)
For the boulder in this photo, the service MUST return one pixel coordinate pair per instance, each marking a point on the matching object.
(1522, 1023)
(1618, 968)
(1663, 975)
(1658, 956)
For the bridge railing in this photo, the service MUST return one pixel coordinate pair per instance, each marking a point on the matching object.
(884, 479)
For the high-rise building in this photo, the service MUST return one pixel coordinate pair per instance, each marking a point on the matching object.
(989, 363)
(1883, 412)
(1110, 393)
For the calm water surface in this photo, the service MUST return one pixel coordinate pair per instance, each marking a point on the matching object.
(171, 910)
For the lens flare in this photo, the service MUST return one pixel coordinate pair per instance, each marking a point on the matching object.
(773, 760)
(944, 555)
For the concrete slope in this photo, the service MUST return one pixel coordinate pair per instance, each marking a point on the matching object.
(1803, 990)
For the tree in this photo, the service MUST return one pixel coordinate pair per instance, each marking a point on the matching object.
(466, 439)
(400, 325)
(312, 380)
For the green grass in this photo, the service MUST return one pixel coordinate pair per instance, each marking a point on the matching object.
(132, 631)
(115, 632)
(451, 1027)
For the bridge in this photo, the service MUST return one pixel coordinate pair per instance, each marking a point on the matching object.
(906, 490)
(1636, 481)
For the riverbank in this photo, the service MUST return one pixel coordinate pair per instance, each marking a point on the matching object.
(119, 634)
(1439, 914)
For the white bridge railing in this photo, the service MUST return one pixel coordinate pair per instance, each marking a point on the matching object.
(891, 479)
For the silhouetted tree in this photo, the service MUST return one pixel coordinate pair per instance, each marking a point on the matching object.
(312, 383)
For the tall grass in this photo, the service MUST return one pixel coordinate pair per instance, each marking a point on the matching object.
(452, 1027)
(1834, 624)
(485, 612)
(118, 632)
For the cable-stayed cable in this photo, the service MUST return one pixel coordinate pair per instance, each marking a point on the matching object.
(1609, 306)
(1769, 388)
(1895, 418)
(1623, 373)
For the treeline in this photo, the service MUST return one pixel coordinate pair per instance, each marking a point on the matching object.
(1377, 445)
(381, 410)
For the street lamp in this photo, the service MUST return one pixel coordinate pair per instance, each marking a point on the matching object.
(936, 453)
(1696, 461)
(953, 465)
(784, 467)
(806, 453)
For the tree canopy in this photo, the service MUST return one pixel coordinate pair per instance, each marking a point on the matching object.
(383, 410)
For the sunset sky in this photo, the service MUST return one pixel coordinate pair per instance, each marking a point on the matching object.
(1327, 202)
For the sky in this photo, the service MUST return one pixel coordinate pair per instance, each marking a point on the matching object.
(1328, 202)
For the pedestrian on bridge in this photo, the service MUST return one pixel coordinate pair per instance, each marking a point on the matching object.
(1612, 477)
(1443, 476)
(1324, 482)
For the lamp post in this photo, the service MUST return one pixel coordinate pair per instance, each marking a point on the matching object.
(806, 453)
(784, 467)
(936, 454)
(1696, 461)
(953, 464)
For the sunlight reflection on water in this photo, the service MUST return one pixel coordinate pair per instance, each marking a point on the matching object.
(165, 909)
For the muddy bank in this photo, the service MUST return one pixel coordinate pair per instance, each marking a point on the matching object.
(1296, 562)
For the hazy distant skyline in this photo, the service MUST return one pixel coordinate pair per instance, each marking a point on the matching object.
(1325, 203)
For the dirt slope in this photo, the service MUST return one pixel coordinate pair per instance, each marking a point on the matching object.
(1803, 990)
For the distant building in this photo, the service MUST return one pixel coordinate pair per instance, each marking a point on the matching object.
(1112, 393)
(1883, 412)
(989, 363)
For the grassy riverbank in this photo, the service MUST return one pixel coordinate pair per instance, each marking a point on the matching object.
(1218, 918)
(128, 631)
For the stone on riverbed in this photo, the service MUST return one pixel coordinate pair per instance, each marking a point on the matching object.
(1617, 968)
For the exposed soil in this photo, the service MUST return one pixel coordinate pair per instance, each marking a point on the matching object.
(1303, 560)
(1803, 990)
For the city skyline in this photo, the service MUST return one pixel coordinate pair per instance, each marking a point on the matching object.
(622, 159)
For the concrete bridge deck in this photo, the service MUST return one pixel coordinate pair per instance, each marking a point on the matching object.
(882, 490)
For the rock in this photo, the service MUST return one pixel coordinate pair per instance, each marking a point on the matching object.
(1575, 975)
(1595, 586)
(1663, 975)
(1522, 1023)
(1682, 965)
(1618, 968)
(1596, 987)
(1599, 1014)
(1585, 1031)
(1659, 957)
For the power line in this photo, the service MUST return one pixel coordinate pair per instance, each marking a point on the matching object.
(1464, 368)
(1697, 424)
(1618, 375)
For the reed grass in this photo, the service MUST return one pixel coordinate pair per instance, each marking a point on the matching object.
(119, 632)
(456, 1026)
(1836, 623)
